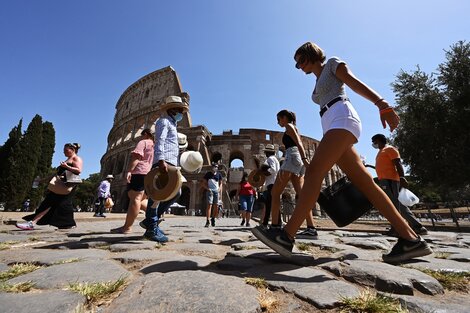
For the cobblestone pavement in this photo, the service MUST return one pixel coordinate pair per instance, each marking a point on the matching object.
(205, 269)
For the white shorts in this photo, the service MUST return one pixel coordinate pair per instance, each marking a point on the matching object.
(342, 115)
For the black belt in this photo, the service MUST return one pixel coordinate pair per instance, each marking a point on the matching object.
(329, 104)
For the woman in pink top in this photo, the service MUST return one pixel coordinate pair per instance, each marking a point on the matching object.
(139, 165)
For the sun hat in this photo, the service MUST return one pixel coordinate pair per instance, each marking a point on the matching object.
(182, 141)
(256, 178)
(163, 186)
(110, 176)
(270, 147)
(191, 161)
(174, 102)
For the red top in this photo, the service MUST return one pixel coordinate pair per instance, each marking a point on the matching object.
(246, 189)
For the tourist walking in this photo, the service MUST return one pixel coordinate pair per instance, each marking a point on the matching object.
(341, 130)
(166, 152)
(246, 197)
(391, 178)
(104, 192)
(212, 183)
(292, 169)
(57, 208)
(270, 169)
(139, 165)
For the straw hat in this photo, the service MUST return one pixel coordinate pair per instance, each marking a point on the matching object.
(270, 147)
(163, 186)
(174, 102)
(191, 161)
(109, 177)
(182, 141)
(256, 178)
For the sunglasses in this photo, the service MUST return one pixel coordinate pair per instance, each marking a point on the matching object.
(301, 61)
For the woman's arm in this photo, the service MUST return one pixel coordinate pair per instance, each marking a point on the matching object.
(387, 114)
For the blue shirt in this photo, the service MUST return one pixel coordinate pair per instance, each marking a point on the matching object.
(104, 189)
(166, 141)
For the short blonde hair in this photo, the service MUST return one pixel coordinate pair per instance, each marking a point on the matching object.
(311, 51)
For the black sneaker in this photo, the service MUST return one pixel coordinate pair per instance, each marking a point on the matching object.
(309, 233)
(212, 221)
(242, 223)
(405, 250)
(207, 223)
(276, 239)
(421, 231)
(248, 224)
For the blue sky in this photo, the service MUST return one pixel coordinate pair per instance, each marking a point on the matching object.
(70, 61)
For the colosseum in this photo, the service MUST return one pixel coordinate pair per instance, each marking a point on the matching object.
(138, 108)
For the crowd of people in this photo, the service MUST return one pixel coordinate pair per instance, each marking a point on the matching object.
(157, 155)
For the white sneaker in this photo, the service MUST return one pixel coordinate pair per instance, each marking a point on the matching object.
(25, 226)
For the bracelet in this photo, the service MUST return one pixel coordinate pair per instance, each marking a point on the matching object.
(386, 110)
(381, 99)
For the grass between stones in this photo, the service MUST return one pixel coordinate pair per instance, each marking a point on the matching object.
(442, 255)
(7, 244)
(267, 301)
(370, 302)
(72, 260)
(456, 281)
(315, 250)
(98, 293)
(16, 288)
(17, 270)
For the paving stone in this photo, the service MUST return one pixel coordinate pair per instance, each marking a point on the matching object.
(435, 264)
(250, 245)
(385, 277)
(268, 255)
(313, 285)
(50, 257)
(187, 291)
(230, 263)
(3, 267)
(345, 233)
(208, 250)
(59, 276)
(178, 263)
(39, 302)
(456, 254)
(143, 255)
(133, 245)
(367, 243)
(18, 237)
(451, 304)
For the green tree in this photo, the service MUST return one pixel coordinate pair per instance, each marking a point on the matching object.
(44, 163)
(23, 163)
(86, 191)
(5, 153)
(434, 112)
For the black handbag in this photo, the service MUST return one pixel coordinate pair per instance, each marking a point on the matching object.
(343, 202)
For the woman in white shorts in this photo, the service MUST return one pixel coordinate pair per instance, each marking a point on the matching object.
(341, 130)
(293, 167)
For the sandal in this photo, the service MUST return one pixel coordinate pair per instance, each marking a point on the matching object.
(119, 230)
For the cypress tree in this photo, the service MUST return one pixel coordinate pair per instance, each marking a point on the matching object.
(5, 153)
(44, 163)
(23, 164)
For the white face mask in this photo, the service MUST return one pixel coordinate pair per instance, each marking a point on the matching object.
(375, 146)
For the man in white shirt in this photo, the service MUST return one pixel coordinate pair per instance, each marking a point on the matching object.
(270, 169)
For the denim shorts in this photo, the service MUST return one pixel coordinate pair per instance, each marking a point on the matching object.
(212, 196)
(293, 162)
(342, 115)
(246, 203)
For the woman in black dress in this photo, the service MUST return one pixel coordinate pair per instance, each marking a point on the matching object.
(57, 209)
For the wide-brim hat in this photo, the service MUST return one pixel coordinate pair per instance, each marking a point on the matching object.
(191, 161)
(256, 178)
(174, 102)
(269, 147)
(110, 177)
(182, 141)
(162, 186)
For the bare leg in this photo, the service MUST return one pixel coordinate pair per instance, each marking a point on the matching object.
(352, 165)
(208, 211)
(40, 215)
(298, 182)
(280, 184)
(133, 209)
